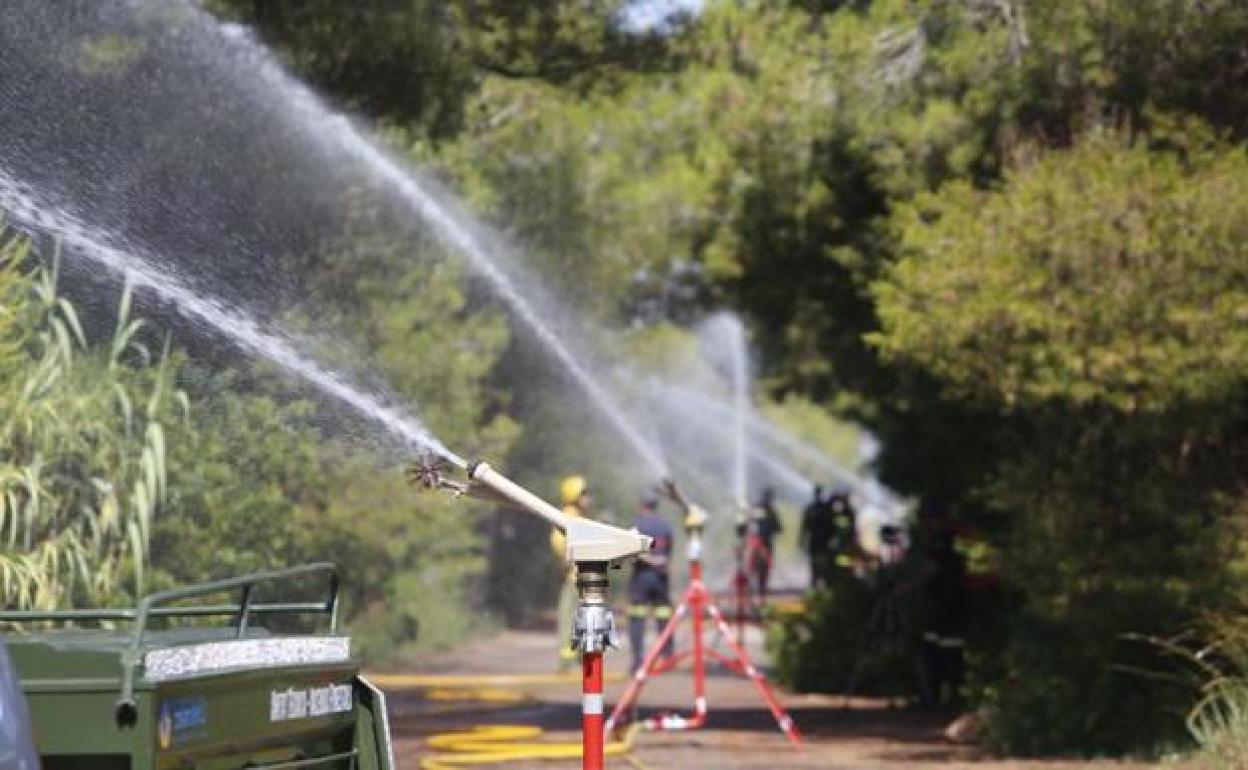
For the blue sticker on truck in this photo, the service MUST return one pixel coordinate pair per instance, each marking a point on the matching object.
(181, 720)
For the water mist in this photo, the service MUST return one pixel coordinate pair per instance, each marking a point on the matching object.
(42, 218)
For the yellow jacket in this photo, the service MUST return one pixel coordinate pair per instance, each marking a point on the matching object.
(558, 540)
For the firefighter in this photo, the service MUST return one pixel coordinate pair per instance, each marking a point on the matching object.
(574, 494)
(744, 552)
(943, 575)
(649, 588)
(944, 636)
(768, 526)
(815, 535)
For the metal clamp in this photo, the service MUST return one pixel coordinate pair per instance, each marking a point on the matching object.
(593, 628)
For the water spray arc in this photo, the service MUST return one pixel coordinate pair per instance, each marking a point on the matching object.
(751, 551)
(451, 224)
(591, 546)
(741, 406)
(42, 218)
(723, 341)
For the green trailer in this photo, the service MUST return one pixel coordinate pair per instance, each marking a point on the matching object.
(182, 682)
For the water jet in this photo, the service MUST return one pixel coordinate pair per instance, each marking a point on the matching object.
(41, 217)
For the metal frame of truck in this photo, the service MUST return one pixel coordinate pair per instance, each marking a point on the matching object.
(199, 697)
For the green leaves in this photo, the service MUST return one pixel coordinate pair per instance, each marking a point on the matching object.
(79, 485)
(1107, 273)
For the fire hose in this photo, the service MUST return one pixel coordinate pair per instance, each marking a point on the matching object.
(493, 743)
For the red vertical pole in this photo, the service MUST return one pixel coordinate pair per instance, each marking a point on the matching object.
(698, 603)
(591, 710)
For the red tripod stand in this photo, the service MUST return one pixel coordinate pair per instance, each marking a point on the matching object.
(697, 604)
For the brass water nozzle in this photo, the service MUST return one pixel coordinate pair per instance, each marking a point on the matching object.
(588, 541)
(429, 471)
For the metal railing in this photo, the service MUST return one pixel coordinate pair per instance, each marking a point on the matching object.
(152, 606)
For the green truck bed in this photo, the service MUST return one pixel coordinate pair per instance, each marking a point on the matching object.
(180, 684)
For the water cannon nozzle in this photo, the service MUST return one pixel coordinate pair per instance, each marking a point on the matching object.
(695, 515)
(430, 471)
(588, 541)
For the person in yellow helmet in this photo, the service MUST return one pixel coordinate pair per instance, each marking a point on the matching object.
(574, 495)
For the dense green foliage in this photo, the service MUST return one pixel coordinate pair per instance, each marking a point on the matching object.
(1124, 268)
(124, 470)
(1007, 229)
(1008, 237)
(1122, 346)
(820, 650)
(83, 445)
(416, 62)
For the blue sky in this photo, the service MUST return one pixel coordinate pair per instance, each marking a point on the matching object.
(646, 14)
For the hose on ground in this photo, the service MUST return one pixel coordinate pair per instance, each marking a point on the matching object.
(495, 743)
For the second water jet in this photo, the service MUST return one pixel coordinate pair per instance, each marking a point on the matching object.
(452, 224)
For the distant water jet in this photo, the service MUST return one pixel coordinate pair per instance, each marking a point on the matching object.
(709, 421)
(867, 488)
(725, 334)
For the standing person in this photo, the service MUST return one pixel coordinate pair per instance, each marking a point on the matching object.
(944, 634)
(743, 551)
(768, 527)
(814, 536)
(574, 494)
(649, 588)
(942, 573)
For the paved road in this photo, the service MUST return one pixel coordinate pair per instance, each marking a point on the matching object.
(740, 734)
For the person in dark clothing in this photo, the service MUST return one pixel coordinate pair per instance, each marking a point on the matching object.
(944, 633)
(649, 587)
(814, 537)
(943, 575)
(768, 526)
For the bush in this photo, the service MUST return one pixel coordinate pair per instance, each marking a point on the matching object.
(82, 445)
(1219, 721)
(1112, 539)
(818, 650)
(1219, 724)
(1075, 688)
(1094, 299)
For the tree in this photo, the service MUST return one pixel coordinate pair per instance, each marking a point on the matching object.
(416, 62)
(1095, 298)
(799, 164)
(1109, 274)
